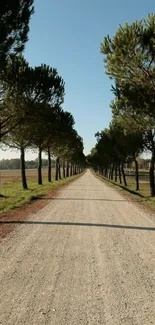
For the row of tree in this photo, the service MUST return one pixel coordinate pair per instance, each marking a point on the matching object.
(129, 58)
(31, 98)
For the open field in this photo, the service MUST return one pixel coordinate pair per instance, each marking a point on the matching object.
(144, 185)
(14, 196)
(10, 176)
(143, 175)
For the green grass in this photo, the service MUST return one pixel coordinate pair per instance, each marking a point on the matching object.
(143, 195)
(14, 196)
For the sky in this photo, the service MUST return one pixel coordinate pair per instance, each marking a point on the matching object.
(66, 34)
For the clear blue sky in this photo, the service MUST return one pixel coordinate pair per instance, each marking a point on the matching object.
(66, 34)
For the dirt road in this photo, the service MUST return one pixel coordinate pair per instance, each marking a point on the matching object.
(88, 257)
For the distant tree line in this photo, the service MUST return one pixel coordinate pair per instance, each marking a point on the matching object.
(31, 98)
(29, 164)
(129, 58)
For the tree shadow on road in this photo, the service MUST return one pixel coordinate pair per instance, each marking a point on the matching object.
(82, 199)
(80, 224)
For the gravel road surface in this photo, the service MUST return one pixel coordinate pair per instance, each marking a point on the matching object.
(88, 257)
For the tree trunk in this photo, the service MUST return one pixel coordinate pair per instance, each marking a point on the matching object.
(151, 174)
(23, 172)
(123, 174)
(109, 176)
(112, 172)
(71, 170)
(49, 166)
(57, 169)
(40, 167)
(119, 172)
(67, 170)
(64, 172)
(137, 174)
(116, 173)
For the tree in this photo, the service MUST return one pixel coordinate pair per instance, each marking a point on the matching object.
(134, 135)
(129, 54)
(24, 86)
(28, 105)
(129, 60)
(42, 133)
(14, 105)
(19, 139)
(104, 151)
(50, 98)
(75, 154)
(14, 26)
(113, 149)
(62, 138)
(139, 121)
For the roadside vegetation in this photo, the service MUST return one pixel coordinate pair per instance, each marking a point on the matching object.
(129, 58)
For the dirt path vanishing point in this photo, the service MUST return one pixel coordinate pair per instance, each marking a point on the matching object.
(88, 257)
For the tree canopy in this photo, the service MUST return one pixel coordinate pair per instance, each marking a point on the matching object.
(14, 26)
